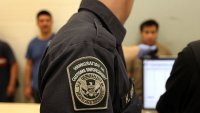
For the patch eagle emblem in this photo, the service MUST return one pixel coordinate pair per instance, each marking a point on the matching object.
(88, 78)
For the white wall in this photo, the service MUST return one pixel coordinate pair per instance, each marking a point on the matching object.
(18, 25)
(179, 20)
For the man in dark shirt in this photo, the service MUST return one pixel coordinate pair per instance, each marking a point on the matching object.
(83, 70)
(8, 73)
(183, 86)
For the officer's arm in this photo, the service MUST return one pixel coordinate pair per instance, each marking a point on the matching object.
(133, 52)
(76, 79)
(178, 83)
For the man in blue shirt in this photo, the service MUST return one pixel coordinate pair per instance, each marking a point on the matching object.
(34, 54)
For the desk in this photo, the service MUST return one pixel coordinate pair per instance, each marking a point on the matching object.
(149, 111)
(27, 108)
(19, 108)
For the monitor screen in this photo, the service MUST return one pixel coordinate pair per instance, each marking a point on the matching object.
(155, 75)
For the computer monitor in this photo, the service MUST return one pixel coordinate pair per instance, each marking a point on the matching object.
(155, 75)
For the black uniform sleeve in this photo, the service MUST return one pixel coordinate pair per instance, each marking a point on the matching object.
(76, 79)
(178, 86)
(9, 54)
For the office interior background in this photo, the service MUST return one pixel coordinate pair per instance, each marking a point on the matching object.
(178, 19)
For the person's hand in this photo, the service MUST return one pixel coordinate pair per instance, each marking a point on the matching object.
(145, 50)
(10, 90)
(28, 92)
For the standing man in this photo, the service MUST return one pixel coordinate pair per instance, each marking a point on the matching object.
(8, 73)
(83, 70)
(149, 34)
(34, 54)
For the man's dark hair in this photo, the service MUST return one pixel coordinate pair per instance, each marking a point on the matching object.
(43, 12)
(149, 23)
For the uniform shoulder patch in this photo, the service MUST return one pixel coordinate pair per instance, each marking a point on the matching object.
(89, 85)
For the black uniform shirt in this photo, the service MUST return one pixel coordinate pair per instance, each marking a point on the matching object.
(83, 70)
(183, 86)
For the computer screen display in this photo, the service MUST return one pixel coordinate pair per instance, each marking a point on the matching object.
(155, 75)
